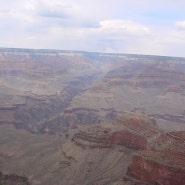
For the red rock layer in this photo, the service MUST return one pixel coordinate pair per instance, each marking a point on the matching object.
(158, 168)
(131, 140)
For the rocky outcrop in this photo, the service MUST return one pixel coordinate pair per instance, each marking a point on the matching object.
(164, 164)
(110, 139)
(158, 168)
(128, 139)
(130, 130)
(160, 157)
(139, 123)
(94, 137)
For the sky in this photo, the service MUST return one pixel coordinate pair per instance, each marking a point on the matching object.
(153, 27)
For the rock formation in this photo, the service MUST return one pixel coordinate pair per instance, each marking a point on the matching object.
(166, 168)
(165, 165)
(159, 158)
(91, 118)
(41, 90)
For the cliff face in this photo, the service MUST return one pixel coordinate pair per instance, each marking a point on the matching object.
(129, 151)
(159, 77)
(92, 140)
(130, 130)
(108, 140)
(153, 170)
(160, 158)
(131, 140)
(161, 166)
(161, 74)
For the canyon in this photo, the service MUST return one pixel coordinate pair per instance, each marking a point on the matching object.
(69, 117)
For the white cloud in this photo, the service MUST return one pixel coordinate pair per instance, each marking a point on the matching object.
(106, 25)
(180, 24)
(123, 26)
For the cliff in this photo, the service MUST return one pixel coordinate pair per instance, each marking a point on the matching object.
(128, 139)
(159, 159)
(162, 165)
(161, 168)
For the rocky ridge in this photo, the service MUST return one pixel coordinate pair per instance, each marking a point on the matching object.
(159, 158)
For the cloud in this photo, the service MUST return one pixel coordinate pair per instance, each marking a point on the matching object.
(108, 36)
(107, 26)
(50, 9)
(123, 26)
(53, 14)
(180, 24)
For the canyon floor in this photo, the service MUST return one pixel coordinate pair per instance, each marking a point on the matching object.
(79, 118)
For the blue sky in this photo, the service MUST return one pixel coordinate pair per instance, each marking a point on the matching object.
(119, 26)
